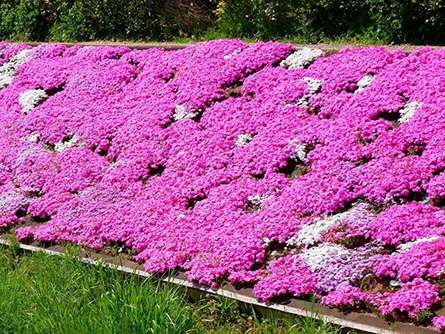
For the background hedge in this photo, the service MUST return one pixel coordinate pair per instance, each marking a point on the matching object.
(412, 21)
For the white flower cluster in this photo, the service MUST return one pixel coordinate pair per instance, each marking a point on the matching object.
(299, 149)
(316, 257)
(301, 58)
(8, 70)
(31, 98)
(395, 283)
(300, 152)
(181, 113)
(408, 111)
(234, 53)
(266, 242)
(66, 144)
(408, 245)
(258, 200)
(314, 86)
(312, 233)
(364, 82)
(33, 138)
(243, 139)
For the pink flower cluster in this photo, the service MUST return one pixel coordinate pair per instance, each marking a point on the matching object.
(225, 161)
(423, 259)
(420, 221)
(439, 322)
(346, 296)
(287, 275)
(413, 297)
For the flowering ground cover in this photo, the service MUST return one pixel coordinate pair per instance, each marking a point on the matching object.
(293, 172)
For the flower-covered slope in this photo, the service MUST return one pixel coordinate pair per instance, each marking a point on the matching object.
(290, 171)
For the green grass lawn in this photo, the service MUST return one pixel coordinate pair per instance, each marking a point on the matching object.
(44, 294)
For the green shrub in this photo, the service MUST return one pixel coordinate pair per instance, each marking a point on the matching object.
(253, 18)
(7, 17)
(183, 18)
(30, 20)
(88, 20)
(311, 20)
(420, 21)
(135, 19)
(329, 18)
(417, 21)
(140, 20)
(75, 23)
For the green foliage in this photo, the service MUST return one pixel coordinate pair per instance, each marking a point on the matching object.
(73, 25)
(81, 20)
(31, 20)
(23, 20)
(304, 21)
(424, 317)
(90, 19)
(140, 20)
(253, 18)
(7, 16)
(183, 18)
(311, 21)
(420, 21)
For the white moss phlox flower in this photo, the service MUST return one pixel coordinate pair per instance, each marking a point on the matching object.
(181, 113)
(26, 152)
(266, 242)
(258, 200)
(301, 58)
(31, 98)
(395, 283)
(33, 138)
(408, 111)
(364, 82)
(66, 144)
(9, 69)
(408, 245)
(316, 257)
(312, 233)
(243, 139)
(314, 86)
(85, 49)
(299, 150)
